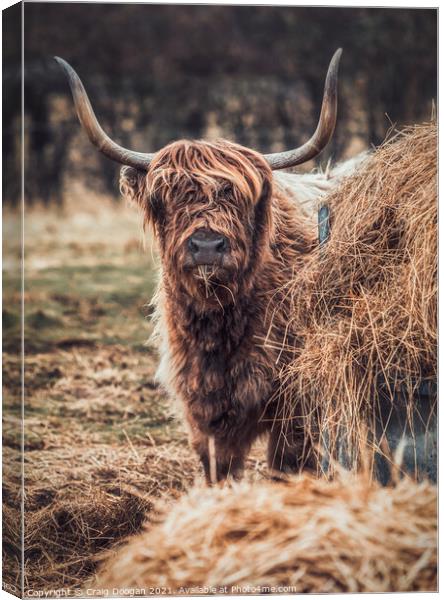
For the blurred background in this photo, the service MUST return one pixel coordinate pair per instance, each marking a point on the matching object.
(94, 413)
(157, 73)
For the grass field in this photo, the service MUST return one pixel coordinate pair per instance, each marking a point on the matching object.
(100, 441)
(104, 453)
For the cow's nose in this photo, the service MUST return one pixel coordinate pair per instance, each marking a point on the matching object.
(207, 247)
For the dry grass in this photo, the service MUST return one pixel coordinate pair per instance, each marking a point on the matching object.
(313, 535)
(365, 305)
(102, 450)
(101, 447)
(100, 443)
(100, 495)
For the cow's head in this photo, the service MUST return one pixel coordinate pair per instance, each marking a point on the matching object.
(208, 202)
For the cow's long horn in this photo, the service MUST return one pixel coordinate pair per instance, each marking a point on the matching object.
(98, 137)
(324, 130)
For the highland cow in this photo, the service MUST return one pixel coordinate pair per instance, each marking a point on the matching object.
(229, 239)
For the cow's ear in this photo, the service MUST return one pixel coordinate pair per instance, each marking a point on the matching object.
(133, 186)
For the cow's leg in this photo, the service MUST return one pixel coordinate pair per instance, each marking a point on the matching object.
(229, 463)
(230, 466)
(289, 448)
(229, 456)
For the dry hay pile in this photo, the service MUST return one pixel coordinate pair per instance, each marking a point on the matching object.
(98, 452)
(365, 304)
(11, 518)
(310, 534)
(82, 501)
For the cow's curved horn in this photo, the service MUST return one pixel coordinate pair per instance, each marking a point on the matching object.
(98, 137)
(324, 130)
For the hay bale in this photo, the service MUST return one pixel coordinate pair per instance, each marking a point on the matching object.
(365, 305)
(309, 535)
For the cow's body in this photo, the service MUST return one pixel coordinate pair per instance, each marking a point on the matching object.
(230, 238)
(221, 360)
(221, 363)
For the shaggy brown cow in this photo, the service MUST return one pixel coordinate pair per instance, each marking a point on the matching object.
(229, 240)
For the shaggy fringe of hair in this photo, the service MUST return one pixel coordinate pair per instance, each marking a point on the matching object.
(182, 166)
(350, 535)
(365, 305)
(206, 164)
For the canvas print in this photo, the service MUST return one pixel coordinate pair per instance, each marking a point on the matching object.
(219, 300)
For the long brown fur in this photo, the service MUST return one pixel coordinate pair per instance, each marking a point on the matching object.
(223, 335)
